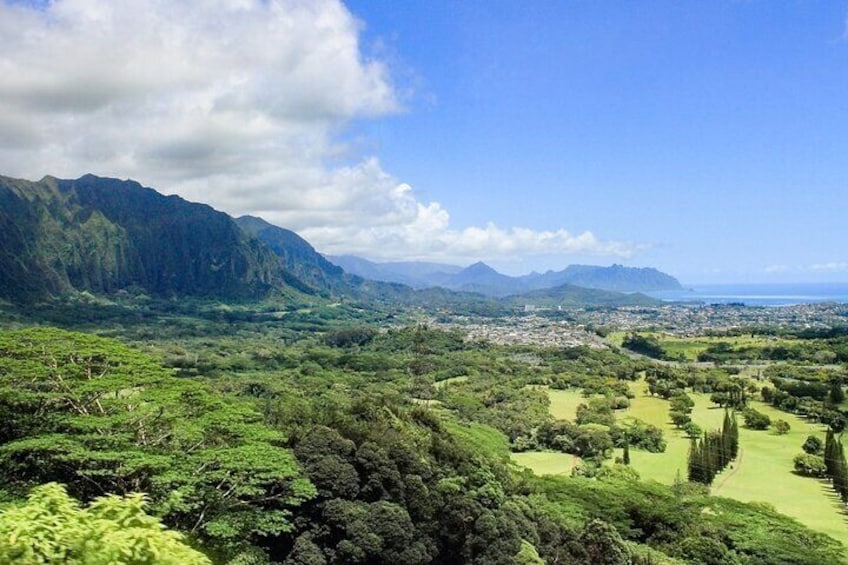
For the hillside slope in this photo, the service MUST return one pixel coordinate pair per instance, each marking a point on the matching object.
(299, 259)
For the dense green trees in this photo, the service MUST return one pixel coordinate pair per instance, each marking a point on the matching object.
(604, 544)
(813, 445)
(645, 344)
(101, 418)
(597, 411)
(680, 408)
(687, 524)
(590, 441)
(396, 486)
(836, 395)
(639, 434)
(349, 337)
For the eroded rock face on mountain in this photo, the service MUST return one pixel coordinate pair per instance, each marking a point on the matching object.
(103, 235)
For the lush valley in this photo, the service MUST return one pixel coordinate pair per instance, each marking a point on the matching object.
(340, 447)
(272, 408)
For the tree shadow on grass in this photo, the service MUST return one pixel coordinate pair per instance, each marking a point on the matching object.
(834, 498)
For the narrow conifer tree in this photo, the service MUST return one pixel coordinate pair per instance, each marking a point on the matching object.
(694, 463)
(734, 436)
(707, 459)
(711, 454)
(840, 477)
(726, 438)
(830, 453)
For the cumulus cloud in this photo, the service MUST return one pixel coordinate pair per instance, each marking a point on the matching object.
(237, 103)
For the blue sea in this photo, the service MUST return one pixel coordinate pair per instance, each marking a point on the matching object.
(758, 294)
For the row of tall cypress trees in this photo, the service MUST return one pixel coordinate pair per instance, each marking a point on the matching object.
(835, 465)
(711, 453)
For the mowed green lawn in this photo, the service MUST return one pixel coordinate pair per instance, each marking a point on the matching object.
(762, 473)
(564, 403)
(547, 462)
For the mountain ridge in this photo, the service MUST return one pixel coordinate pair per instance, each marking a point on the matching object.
(106, 235)
(480, 277)
(410, 273)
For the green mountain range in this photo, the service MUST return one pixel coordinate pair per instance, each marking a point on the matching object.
(105, 235)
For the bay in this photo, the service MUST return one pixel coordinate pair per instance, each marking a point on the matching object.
(783, 294)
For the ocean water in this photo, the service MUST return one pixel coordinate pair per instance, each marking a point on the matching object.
(758, 294)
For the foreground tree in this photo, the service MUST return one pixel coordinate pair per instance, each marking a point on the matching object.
(53, 528)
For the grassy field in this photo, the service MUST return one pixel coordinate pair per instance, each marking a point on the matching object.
(564, 403)
(762, 473)
(445, 382)
(691, 347)
(546, 462)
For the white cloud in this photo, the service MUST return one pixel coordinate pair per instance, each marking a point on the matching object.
(810, 269)
(237, 103)
(833, 267)
(414, 230)
(773, 269)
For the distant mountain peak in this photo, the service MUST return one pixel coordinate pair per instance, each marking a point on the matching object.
(479, 268)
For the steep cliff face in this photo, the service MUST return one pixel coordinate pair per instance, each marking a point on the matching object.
(102, 235)
(297, 256)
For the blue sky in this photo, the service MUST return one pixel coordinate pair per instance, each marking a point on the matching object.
(707, 139)
(715, 132)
